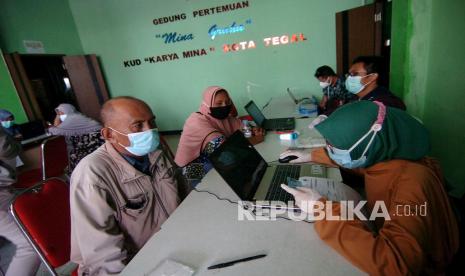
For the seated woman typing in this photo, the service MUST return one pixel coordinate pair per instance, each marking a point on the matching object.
(387, 148)
(82, 134)
(205, 130)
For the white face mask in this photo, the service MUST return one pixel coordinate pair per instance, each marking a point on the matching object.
(63, 117)
(324, 84)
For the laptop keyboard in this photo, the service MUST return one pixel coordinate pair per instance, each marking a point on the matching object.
(279, 124)
(275, 192)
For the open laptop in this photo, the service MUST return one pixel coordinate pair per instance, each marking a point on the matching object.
(294, 99)
(250, 177)
(268, 124)
(31, 129)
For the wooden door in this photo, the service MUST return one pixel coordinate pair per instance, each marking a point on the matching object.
(88, 83)
(23, 86)
(358, 33)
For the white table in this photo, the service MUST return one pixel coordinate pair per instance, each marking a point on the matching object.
(204, 231)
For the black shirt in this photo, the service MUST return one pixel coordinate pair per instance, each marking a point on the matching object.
(382, 94)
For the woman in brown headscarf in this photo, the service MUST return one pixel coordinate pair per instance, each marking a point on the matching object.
(205, 130)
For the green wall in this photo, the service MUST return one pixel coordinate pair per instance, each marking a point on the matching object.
(9, 99)
(429, 66)
(174, 88)
(49, 21)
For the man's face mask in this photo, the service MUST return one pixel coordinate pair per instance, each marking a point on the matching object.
(354, 84)
(324, 84)
(142, 143)
(7, 124)
(220, 112)
(343, 158)
(63, 117)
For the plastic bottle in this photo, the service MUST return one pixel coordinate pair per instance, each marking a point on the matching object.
(246, 129)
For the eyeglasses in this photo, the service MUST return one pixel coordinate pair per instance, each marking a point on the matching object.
(356, 73)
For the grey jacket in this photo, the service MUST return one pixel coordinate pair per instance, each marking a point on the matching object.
(9, 149)
(115, 208)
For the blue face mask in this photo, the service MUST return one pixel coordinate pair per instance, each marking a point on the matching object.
(7, 124)
(142, 143)
(343, 158)
(354, 84)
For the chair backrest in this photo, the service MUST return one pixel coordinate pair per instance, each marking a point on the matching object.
(54, 157)
(42, 213)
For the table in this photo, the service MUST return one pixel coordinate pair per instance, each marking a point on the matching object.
(204, 231)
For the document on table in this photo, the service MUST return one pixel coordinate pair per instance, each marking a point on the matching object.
(307, 143)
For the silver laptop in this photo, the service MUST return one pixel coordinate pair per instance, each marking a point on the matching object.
(294, 99)
(250, 177)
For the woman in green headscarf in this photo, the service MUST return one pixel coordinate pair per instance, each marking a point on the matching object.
(387, 148)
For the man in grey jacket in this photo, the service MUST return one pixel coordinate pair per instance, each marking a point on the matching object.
(25, 261)
(122, 192)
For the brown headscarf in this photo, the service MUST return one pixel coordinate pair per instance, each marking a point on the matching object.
(201, 124)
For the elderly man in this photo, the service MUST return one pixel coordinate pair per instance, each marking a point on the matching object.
(121, 193)
(25, 261)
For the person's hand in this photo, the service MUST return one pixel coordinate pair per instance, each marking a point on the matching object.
(303, 155)
(256, 139)
(57, 121)
(258, 131)
(317, 120)
(305, 198)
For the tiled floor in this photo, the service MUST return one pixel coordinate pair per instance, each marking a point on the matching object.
(7, 249)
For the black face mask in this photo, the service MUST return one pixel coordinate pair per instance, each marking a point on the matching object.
(220, 112)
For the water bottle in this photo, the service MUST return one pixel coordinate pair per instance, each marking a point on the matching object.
(246, 129)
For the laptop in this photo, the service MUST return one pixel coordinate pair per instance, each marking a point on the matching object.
(31, 129)
(269, 124)
(250, 177)
(294, 99)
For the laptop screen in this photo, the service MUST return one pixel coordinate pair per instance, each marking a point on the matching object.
(292, 96)
(31, 129)
(255, 112)
(240, 165)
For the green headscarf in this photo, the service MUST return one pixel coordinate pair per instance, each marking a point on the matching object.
(401, 136)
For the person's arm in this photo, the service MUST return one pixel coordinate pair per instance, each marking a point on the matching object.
(323, 101)
(209, 141)
(395, 250)
(96, 236)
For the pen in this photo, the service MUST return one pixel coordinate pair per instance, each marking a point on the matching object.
(236, 261)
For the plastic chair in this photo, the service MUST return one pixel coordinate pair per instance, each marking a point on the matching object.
(54, 160)
(43, 215)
